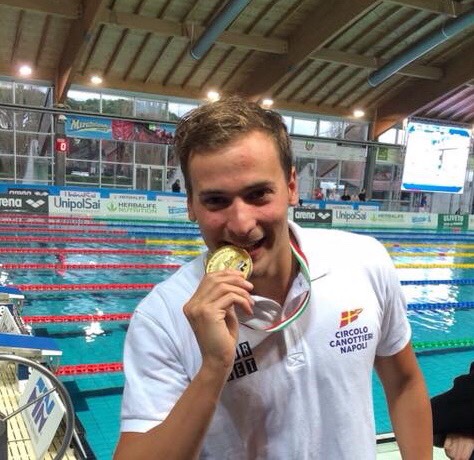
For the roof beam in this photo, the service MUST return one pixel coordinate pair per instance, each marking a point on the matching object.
(457, 72)
(80, 33)
(444, 7)
(69, 9)
(139, 87)
(189, 31)
(307, 39)
(372, 63)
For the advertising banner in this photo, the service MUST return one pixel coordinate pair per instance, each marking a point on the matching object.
(350, 218)
(314, 216)
(453, 222)
(75, 202)
(119, 130)
(24, 203)
(172, 207)
(328, 150)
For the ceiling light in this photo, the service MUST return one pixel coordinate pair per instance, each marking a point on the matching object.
(267, 103)
(213, 96)
(25, 70)
(96, 80)
(358, 113)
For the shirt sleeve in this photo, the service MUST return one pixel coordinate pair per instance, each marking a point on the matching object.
(154, 374)
(395, 328)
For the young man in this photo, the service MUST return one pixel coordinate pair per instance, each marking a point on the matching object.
(277, 366)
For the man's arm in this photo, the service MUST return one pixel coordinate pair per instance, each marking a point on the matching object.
(408, 403)
(190, 417)
(210, 312)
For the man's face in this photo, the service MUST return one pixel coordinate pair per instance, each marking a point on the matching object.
(240, 196)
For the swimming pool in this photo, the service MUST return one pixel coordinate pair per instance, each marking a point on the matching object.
(117, 290)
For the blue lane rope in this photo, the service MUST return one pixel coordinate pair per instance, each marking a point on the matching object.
(467, 281)
(440, 306)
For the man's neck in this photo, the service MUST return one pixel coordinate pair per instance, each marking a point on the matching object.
(278, 286)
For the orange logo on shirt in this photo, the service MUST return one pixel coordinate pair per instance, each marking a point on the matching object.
(349, 316)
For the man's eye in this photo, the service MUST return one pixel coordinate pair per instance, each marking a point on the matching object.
(215, 201)
(258, 195)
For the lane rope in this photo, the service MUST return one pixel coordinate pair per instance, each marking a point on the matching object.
(441, 265)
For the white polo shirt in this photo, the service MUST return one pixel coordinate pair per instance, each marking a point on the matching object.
(301, 393)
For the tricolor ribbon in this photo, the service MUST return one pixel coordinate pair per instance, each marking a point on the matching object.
(268, 314)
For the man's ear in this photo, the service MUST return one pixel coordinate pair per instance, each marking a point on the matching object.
(293, 188)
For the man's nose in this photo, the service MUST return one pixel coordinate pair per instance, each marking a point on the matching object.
(241, 219)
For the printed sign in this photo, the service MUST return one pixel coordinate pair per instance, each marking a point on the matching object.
(75, 202)
(453, 222)
(44, 416)
(313, 216)
(23, 204)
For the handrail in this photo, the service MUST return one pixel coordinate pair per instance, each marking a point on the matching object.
(57, 386)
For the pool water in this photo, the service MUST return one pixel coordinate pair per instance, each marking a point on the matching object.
(97, 397)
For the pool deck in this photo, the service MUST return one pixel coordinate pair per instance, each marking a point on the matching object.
(19, 444)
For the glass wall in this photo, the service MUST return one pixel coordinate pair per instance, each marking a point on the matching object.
(26, 137)
(27, 142)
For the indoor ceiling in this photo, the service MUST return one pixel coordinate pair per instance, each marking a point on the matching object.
(310, 56)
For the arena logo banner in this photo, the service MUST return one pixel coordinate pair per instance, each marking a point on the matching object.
(119, 130)
(27, 192)
(23, 204)
(313, 216)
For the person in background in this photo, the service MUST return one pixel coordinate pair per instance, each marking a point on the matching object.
(346, 195)
(276, 362)
(453, 418)
(362, 195)
(318, 194)
(176, 186)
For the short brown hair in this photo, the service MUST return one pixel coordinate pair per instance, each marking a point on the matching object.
(216, 124)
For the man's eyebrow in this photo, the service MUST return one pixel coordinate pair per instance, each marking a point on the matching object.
(249, 188)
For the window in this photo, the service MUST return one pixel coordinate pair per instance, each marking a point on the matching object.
(305, 127)
(84, 149)
(117, 105)
(150, 154)
(83, 101)
(329, 128)
(6, 92)
(178, 110)
(33, 95)
(150, 109)
(34, 145)
(36, 122)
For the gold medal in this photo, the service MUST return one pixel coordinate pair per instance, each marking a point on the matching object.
(230, 257)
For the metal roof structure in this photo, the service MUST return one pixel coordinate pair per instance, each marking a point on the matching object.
(309, 56)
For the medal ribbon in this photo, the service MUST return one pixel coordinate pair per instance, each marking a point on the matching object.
(298, 311)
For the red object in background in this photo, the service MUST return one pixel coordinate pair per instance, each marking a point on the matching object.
(62, 145)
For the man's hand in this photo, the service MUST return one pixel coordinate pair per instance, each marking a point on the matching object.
(459, 447)
(210, 311)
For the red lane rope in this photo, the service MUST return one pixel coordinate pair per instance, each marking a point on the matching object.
(80, 369)
(76, 239)
(40, 223)
(42, 319)
(66, 230)
(162, 252)
(85, 287)
(42, 217)
(93, 266)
